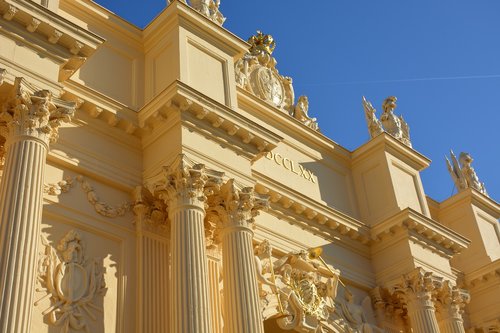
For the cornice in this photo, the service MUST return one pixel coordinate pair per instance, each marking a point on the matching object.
(89, 11)
(289, 125)
(484, 274)
(182, 98)
(52, 29)
(103, 108)
(180, 14)
(386, 142)
(471, 196)
(309, 214)
(424, 227)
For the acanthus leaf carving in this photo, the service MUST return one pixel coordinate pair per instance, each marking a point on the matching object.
(151, 210)
(35, 112)
(71, 282)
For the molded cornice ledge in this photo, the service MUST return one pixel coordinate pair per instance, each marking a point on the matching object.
(487, 273)
(180, 14)
(434, 234)
(319, 219)
(387, 143)
(180, 97)
(471, 196)
(53, 29)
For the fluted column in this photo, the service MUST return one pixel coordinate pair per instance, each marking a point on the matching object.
(241, 294)
(417, 290)
(451, 301)
(185, 195)
(30, 121)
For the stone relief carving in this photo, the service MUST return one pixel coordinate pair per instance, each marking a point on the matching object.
(208, 8)
(389, 122)
(299, 291)
(100, 207)
(302, 293)
(71, 282)
(463, 174)
(256, 72)
(354, 314)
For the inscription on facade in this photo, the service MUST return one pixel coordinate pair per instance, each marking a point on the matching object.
(291, 166)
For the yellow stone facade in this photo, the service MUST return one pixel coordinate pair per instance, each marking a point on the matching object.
(168, 180)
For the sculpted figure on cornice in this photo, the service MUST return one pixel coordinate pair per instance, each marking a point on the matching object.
(71, 283)
(389, 122)
(256, 72)
(208, 8)
(463, 174)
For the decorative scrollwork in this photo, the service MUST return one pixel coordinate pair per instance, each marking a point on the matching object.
(72, 282)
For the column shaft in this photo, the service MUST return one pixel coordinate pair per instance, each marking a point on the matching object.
(190, 307)
(21, 191)
(422, 315)
(241, 293)
(452, 325)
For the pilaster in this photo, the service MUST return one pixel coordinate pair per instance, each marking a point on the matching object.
(30, 122)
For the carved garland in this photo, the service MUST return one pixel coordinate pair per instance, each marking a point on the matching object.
(100, 207)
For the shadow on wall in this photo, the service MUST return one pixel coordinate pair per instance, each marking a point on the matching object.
(335, 186)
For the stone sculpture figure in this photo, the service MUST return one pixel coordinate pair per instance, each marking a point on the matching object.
(354, 314)
(208, 8)
(389, 122)
(301, 113)
(463, 174)
(374, 125)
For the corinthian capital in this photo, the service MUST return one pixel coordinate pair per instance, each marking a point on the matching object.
(238, 206)
(418, 285)
(34, 112)
(452, 300)
(188, 181)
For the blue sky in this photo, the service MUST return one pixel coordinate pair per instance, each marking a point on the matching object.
(441, 58)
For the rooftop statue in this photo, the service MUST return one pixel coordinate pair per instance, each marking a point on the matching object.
(208, 8)
(301, 113)
(389, 122)
(256, 72)
(463, 174)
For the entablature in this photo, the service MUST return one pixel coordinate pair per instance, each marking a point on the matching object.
(51, 30)
(182, 98)
(313, 216)
(436, 235)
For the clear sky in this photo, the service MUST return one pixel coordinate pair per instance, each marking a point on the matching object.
(441, 58)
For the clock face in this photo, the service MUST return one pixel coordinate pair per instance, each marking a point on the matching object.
(268, 86)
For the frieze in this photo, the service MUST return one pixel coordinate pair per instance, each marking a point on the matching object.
(292, 166)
